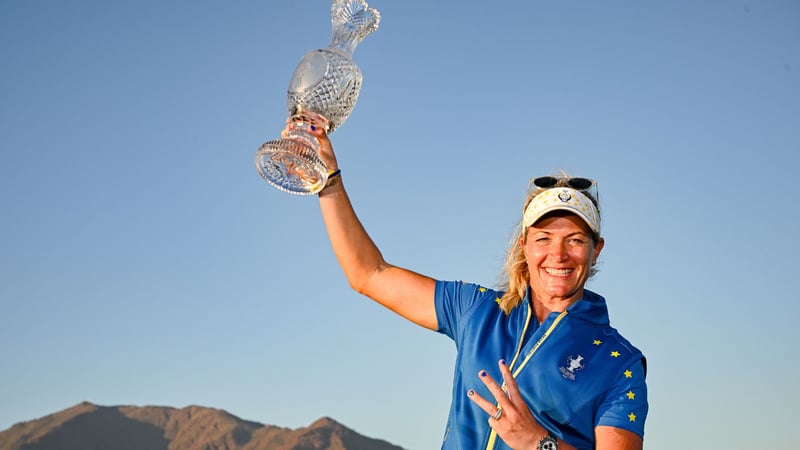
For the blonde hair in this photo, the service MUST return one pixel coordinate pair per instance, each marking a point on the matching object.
(516, 277)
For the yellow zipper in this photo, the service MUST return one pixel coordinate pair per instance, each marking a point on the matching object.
(493, 435)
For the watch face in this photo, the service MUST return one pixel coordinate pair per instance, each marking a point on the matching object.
(548, 443)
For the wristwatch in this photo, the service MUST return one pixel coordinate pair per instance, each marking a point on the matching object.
(548, 442)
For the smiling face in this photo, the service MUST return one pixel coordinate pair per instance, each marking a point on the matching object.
(560, 253)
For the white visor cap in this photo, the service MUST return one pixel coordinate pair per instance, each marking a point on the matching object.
(562, 199)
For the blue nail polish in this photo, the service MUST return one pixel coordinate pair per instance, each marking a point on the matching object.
(313, 128)
(502, 362)
(482, 373)
(470, 392)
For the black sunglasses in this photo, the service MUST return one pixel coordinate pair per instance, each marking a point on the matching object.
(577, 183)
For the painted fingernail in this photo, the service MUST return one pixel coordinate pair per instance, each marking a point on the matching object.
(502, 362)
(470, 392)
(313, 128)
(482, 373)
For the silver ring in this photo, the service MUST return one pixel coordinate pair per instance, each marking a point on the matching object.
(498, 414)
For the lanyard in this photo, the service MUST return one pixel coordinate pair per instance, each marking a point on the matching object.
(493, 435)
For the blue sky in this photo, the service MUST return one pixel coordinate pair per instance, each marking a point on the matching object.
(145, 262)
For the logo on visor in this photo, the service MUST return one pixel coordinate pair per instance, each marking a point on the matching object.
(564, 196)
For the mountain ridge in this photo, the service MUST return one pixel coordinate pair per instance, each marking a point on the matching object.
(87, 426)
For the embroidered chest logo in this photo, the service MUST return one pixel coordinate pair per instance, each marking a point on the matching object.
(574, 364)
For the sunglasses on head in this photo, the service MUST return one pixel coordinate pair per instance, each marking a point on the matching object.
(577, 183)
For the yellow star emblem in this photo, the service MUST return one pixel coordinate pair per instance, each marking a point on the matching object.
(615, 354)
(632, 417)
(597, 342)
(482, 289)
(628, 374)
(497, 300)
(631, 395)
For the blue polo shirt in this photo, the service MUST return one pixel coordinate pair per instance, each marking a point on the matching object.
(574, 370)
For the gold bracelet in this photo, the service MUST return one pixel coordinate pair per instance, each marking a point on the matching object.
(333, 178)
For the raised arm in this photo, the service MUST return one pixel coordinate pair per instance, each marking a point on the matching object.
(407, 293)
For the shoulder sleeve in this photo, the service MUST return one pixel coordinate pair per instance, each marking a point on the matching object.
(452, 300)
(626, 404)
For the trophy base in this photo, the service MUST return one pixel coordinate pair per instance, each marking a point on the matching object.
(291, 166)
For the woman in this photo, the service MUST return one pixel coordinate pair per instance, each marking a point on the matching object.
(538, 365)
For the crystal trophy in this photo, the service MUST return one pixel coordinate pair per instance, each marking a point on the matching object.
(322, 93)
